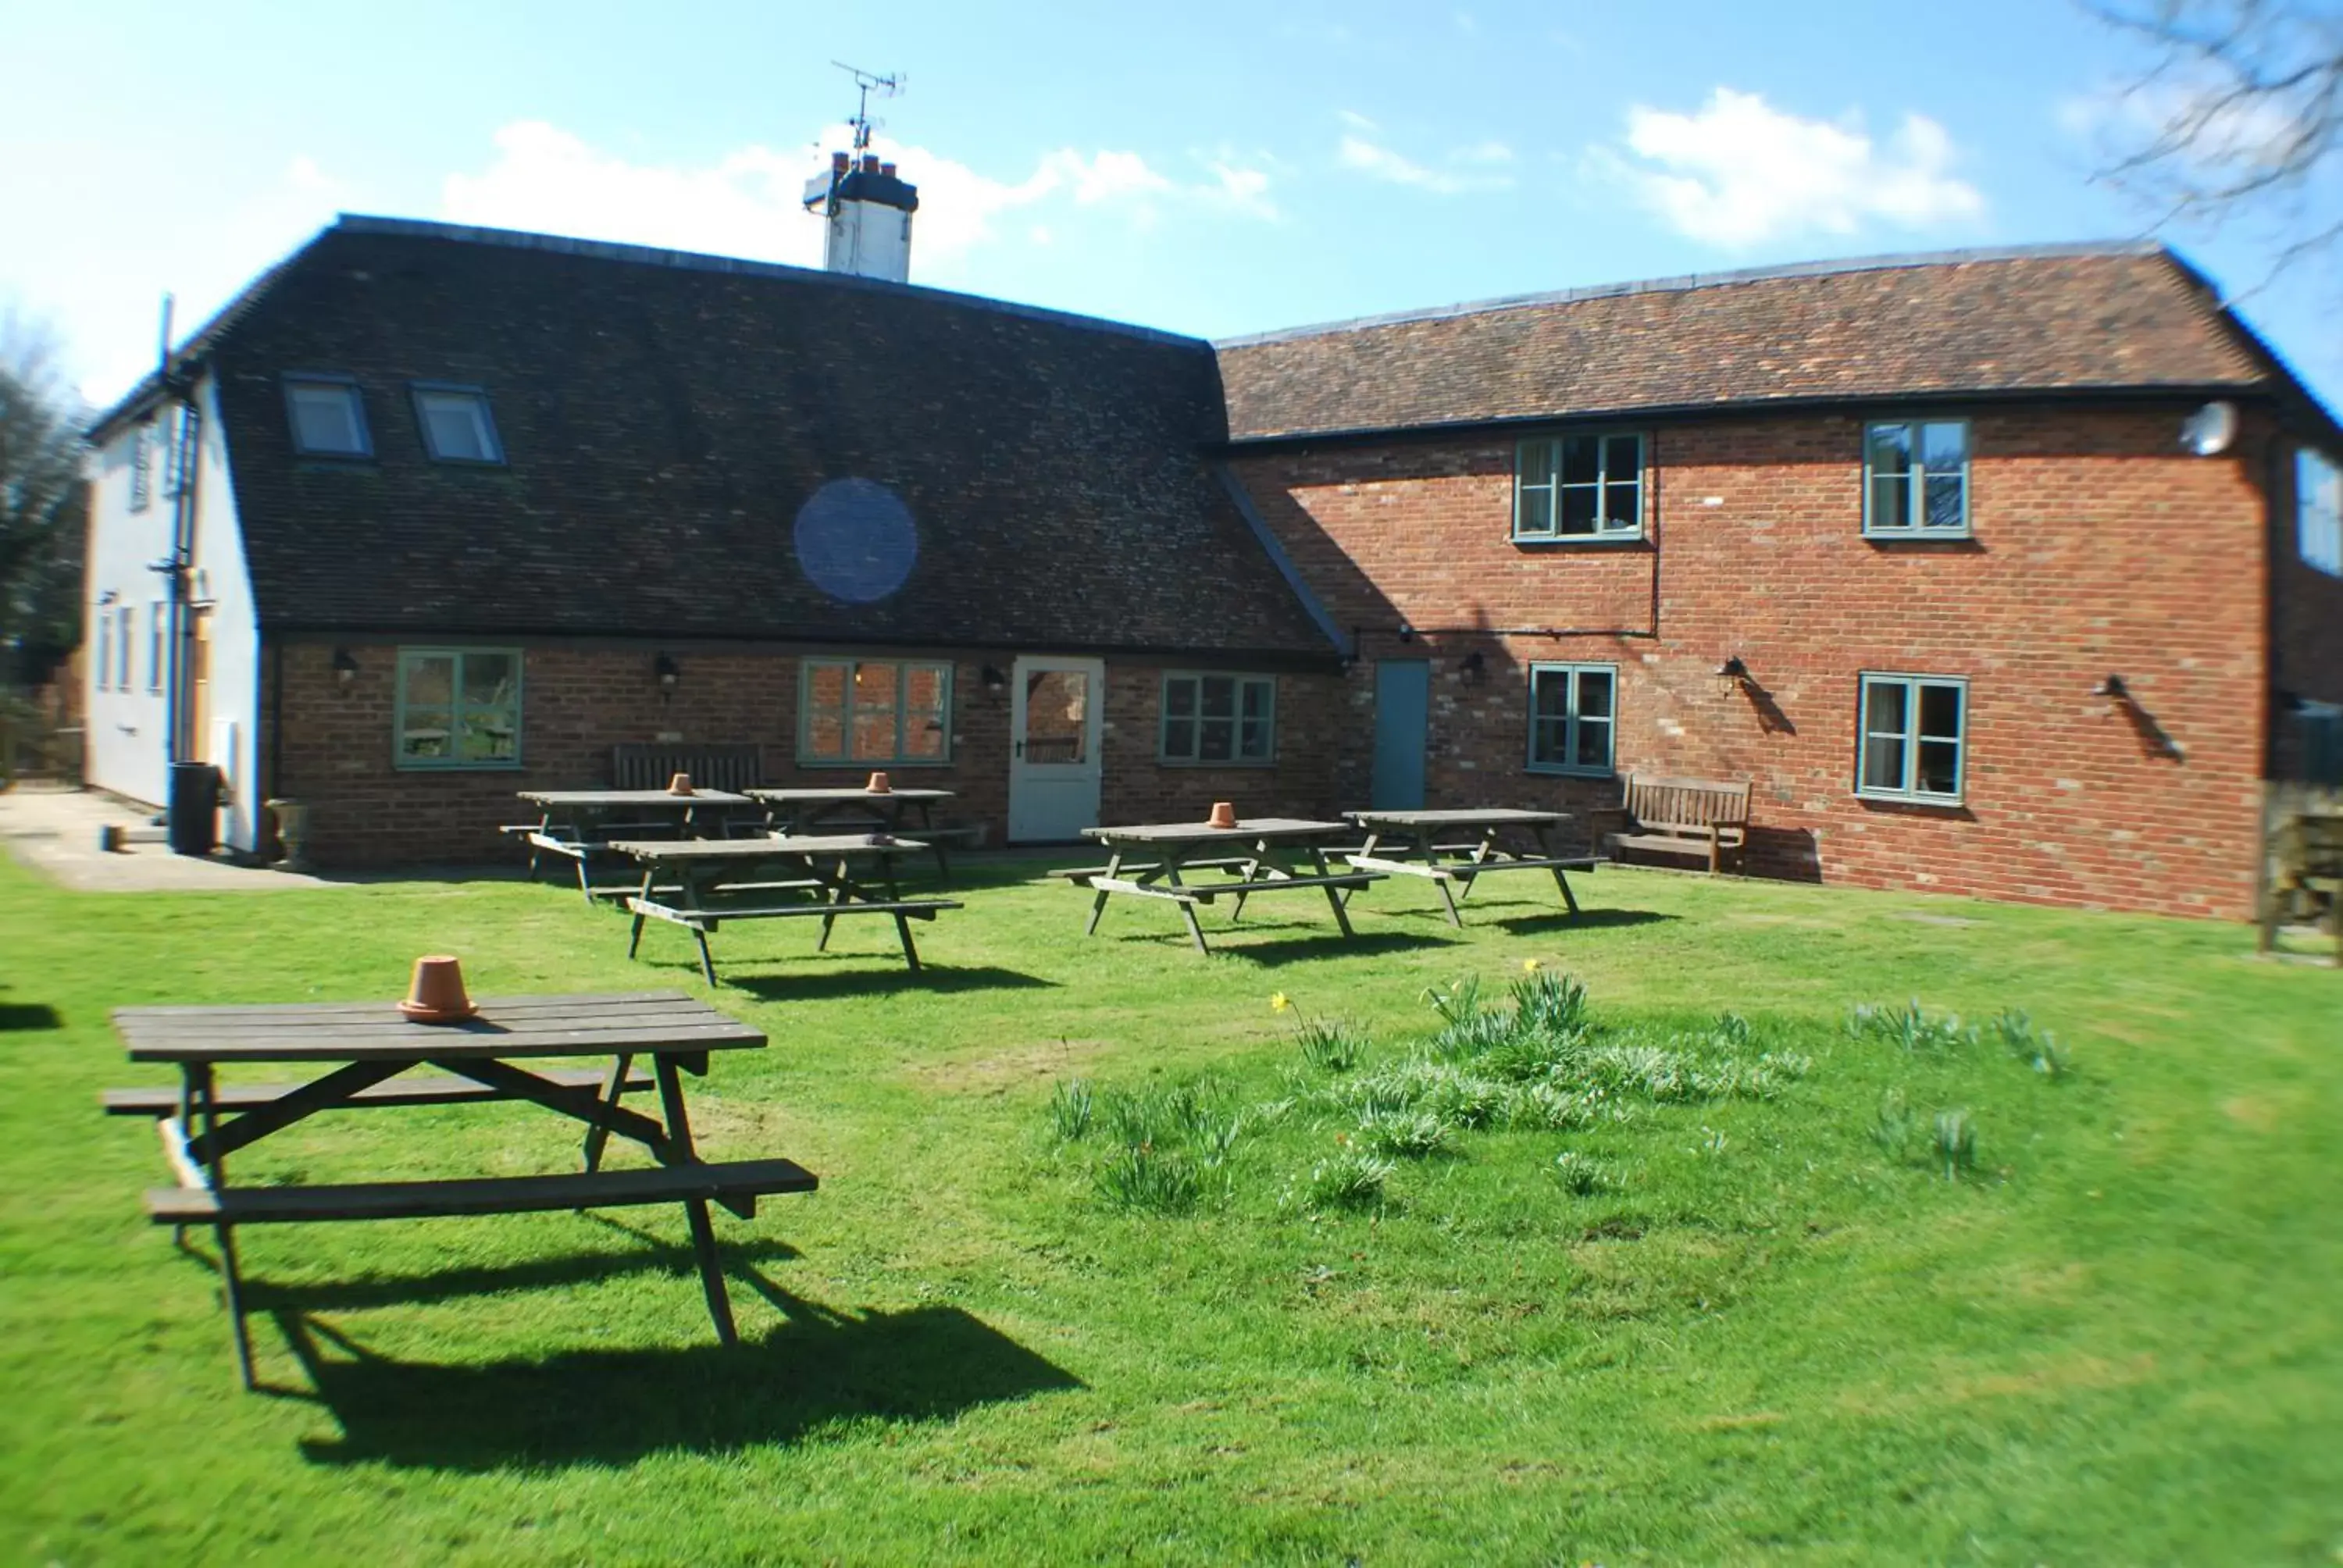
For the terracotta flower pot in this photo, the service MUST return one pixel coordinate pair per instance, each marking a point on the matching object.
(879, 785)
(1224, 814)
(679, 785)
(436, 993)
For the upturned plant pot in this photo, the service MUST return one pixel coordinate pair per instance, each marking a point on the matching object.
(1224, 814)
(679, 785)
(292, 832)
(879, 785)
(435, 994)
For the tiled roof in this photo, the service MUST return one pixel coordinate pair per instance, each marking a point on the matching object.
(2050, 319)
(665, 418)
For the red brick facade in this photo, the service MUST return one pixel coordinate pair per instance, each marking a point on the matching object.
(2097, 549)
(333, 747)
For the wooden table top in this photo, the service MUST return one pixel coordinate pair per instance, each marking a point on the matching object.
(514, 1026)
(822, 796)
(1458, 817)
(766, 849)
(1247, 828)
(631, 797)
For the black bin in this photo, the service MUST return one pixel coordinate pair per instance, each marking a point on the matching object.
(194, 807)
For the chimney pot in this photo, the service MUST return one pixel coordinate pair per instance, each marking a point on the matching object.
(870, 162)
(840, 161)
(886, 169)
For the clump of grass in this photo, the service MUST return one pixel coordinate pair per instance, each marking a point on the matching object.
(1551, 1108)
(1732, 1032)
(1891, 1128)
(1163, 1114)
(1352, 1180)
(2037, 1048)
(1329, 1047)
(1071, 1109)
(1404, 1134)
(1581, 1175)
(1909, 1027)
(1150, 1181)
(1551, 1005)
(1955, 1143)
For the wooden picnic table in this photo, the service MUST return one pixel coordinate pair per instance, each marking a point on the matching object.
(370, 1047)
(1462, 844)
(1266, 854)
(577, 824)
(804, 811)
(709, 880)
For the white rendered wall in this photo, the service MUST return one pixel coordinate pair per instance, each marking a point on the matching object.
(870, 240)
(128, 744)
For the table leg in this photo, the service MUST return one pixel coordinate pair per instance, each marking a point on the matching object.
(927, 827)
(703, 1232)
(613, 1090)
(1099, 895)
(1251, 869)
(1429, 853)
(1341, 915)
(1545, 853)
(1173, 855)
(205, 1090)
(635, 940)
(837, 890)
(1373, 839)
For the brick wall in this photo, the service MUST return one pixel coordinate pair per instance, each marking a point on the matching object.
(2097, 550)
(336, 746)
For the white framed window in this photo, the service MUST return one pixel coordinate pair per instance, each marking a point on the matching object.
(104, 675)
(142, 467)
(126, 634)
(1586, 486)
(158, 620)
(458, 708)
(1916, 478)
(1219, 718)
(1913, 737)
(329, 418)
(1573, 719)
(178, 456)
(886, 713)
(455, 424)
(2318, 511)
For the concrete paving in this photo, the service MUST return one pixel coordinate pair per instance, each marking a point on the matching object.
(54, 831)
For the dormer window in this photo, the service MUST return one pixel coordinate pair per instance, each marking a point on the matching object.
(329, 420)
(457, 427)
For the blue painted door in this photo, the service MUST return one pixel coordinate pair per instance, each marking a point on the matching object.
(1403, 711)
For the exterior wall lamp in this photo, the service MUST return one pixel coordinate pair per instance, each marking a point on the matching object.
(2113, 689)
(1733, 675)
(346, 667)
(664, 671)
(1475, 666)
(995, 683)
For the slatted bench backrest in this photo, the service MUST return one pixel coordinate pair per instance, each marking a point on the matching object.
(713, 765)
(1686, 802)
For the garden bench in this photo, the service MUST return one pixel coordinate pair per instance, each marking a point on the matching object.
(1704, 817)
(390, 1091)
(726, 1183)
(735, 766)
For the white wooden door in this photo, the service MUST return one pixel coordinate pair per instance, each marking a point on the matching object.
(1053, 753)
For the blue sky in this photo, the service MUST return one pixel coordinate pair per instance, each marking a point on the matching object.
(1207, 168)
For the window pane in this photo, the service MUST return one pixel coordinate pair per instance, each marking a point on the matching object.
(1940, 769)
(1256, 698)
(1536, 512)
(429, 680)
(1945, 447)
(1057, 716)
(1623, 458)
(1581, 459)
(1883, 706)
(426, 733)
(1888, 448)
(1216, 741)
(1891, 502)
(825, 714)
(1594, 694)
(455, 426)
(1535, 463)
(1594, 743)
(325, 418)
(1550, 693)
(1883, 762)
(1947, 499)
(1623, 509)
(1547, 738)
(1180, 698)
(1940, 712)
(872, 731)
(489, 677)
(1180, 739)
(1252, 740)
(1578, 507)
(1219, 696)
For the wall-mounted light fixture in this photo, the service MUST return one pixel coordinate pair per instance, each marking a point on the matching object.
(995, 683)
(665, 671)
(346, 667)
(1406, 632)
(1475, 666)
(2113, 689)
(1733, 675)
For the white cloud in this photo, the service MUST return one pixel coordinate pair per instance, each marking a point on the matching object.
(1355, 120)
(1379, 162)
(748, 203)
(1740, 173)
(2212, 132)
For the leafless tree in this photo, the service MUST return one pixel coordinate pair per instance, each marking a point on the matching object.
(2236, 119)
(41, 506)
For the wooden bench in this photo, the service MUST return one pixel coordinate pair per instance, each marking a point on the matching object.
(702, 921)
(1703, 817)
(729, 1182)
(1084, 876)
(736, 766)
(390, 1091)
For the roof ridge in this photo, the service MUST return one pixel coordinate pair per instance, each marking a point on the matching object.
(704, 261)
(1685, 282)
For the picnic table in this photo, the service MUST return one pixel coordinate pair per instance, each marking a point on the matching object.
(699, 883)
(1266, 854)
(577, 824)
(369, 1049)
(804, 811)
(1474, 847)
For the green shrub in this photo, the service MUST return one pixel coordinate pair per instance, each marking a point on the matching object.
(1329, 1047)
(1551, 1005)
(1550, 1108)
(1150, 1181)
(1891, 1126)
(1955, 1143)
(1581, 1175)
(1404, 1134)
(1352, 1178)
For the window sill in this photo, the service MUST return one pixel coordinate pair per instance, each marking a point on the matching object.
(512, 766)
(1920, 536)
(1575, 541)
(1193, 764)
(1544, 771)
(439, 462)
(1924, 802)
(841, 765)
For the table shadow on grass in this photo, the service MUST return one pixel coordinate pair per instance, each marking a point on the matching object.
(28, 1017)
(821, 1370)
(798, 985)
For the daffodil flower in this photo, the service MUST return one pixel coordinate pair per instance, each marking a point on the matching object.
(1529, 966)
(1279, 1002)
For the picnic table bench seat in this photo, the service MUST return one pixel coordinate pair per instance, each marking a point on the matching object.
(728, 1182)
(1704, 817)
(436, 1090)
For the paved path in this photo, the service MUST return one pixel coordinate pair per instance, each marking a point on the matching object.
(54, 831)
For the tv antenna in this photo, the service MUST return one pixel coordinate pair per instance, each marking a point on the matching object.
(867, 83)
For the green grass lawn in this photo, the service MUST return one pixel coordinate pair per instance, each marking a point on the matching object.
(1756, 1333)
